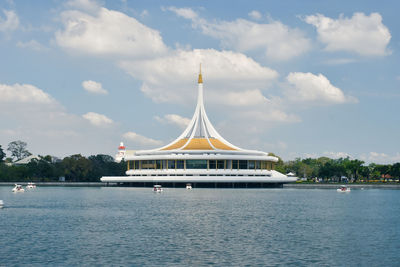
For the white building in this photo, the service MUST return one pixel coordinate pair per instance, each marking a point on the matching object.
(26, 160)
(200, 156)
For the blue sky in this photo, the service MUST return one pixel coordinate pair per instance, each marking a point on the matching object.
(297, 78)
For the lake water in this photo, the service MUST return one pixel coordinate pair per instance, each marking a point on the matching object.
(69, 226)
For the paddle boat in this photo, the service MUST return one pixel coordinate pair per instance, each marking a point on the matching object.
(18, 188)
(189, 186)
(343, 189)
(31, 186)
(157, 188)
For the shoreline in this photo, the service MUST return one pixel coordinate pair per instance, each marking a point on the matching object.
(67, 184)
(335, 186)
(290, 185)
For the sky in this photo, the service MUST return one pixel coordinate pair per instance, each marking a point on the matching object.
(296, 78)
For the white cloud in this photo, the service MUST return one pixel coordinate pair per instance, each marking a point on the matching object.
(339, 61)
(171, 79)
(37, 118)
(376, 156)
(276, 40)
(267, 115)
(336, 155)
(141, 140)
(255, 15)
(277, 146)
(108, 33)
(244, 98)
(229, 78)
(32, 44)
(85, 5)
(97, 119)
(361, 34)
(94, 87)
(308, 87)
(186, 13)
(380, 158)
(174, 119)
(305, 155)
(10, 22)
(24, 93)
(144, 13)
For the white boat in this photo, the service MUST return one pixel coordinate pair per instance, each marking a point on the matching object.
(157, 188)
(1, 204)
(31, 186)
(189, 186)
(343, 189)
(18, 188)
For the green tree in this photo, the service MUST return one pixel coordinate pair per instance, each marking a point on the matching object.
(333, 169)
(2, 155)
(104, 165)
(382, 169)
(313, 166)
(43, 170)
(395, 170)
(279, 166)
(300, 167)
(353, 167)
(18, 150)
(76, 168)
(365, 172)
(13, 173)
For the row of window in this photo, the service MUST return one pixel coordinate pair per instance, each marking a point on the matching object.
(201, 164)
(259, 175)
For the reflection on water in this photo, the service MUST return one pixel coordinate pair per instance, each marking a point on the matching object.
(230, 227)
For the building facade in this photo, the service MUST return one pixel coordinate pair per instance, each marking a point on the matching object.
(200, 156)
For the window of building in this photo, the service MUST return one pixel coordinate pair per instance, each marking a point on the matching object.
(251, 164)
(263, 165)
(229, 164)
(180, 164)
(196, 164)
(243, 164)
(258, 165)
(148, 164)
(220, 164)
(171, 164)
(158, 164)
(234, 164)
(212, 164)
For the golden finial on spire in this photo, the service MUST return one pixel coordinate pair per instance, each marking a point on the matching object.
(200, 77)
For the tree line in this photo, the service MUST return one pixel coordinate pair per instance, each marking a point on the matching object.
(333, 170)
(75, 168)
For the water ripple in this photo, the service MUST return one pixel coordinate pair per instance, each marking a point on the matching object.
(134, 227)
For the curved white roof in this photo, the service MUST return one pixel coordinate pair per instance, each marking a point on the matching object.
(201, 138)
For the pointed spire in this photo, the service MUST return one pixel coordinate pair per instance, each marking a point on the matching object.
(200, 77)
(200, 134)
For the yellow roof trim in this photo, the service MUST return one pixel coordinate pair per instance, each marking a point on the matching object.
(177, 144)
(198, 144)
(219, 145)
(200, 77)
